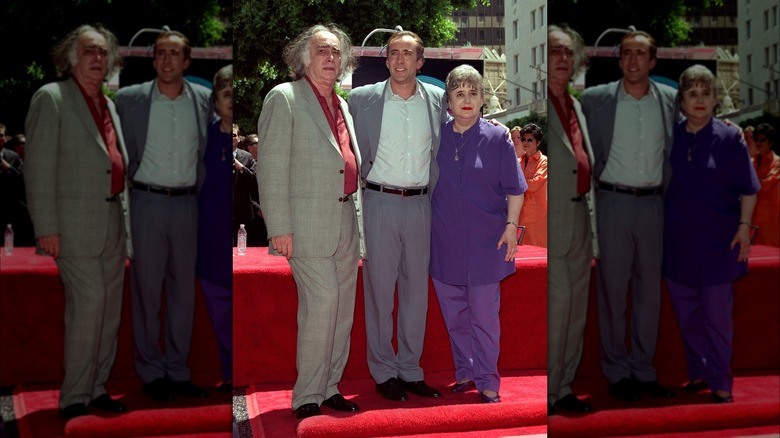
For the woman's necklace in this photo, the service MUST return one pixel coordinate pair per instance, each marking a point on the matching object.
(458, 148)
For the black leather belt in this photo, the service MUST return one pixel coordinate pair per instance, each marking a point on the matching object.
(164, 190)
(630, 190)
(402, 192)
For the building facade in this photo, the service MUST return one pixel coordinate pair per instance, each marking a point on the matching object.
(759, 38)
(525, 23)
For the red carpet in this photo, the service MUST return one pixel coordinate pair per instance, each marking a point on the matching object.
(37, 415)
(521, 412)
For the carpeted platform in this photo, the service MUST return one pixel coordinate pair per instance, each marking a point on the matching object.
(36, 414)
(522, 411)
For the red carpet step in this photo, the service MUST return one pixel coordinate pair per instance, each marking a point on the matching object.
(756, 405)
(523, 410)
(36, 413)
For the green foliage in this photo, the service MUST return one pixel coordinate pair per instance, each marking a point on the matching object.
(663, 19)
(31, 28)
(264, 27)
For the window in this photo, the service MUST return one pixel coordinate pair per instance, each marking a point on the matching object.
(768, 90)
(541, 16)
(533, 20)
(481, 18)
(766, 20)
(774, 54)
(750, 96)
(517, 97)
(514, 29)
(533, 56)
(774, 16)
(747, 29)
(750, 63)
(536, 90)
(766, 56)
(517, 64)
(544, 88)
(541, 53)
(481, 36)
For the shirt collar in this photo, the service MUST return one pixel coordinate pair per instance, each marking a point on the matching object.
(156, 95)
(389, 95)
(651, 92)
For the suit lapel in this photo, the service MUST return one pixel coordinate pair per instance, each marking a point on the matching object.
(81, 110)
(316, 113)
(556, 126)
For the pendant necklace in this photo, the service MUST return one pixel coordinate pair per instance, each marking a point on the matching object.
(458, 148)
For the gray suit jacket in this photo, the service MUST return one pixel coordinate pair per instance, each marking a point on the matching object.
(134, 104)
(300, 171)
(367, 105)
(68, 171)
(562, 184)
(599, 105)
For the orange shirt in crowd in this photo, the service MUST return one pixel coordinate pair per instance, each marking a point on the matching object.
(767, 212)
(534, 212)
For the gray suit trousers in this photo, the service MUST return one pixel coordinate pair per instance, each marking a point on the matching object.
(568, 284)
(93, 308)
(630, 231)
(165, 242)
(398, 236)
(326, 308)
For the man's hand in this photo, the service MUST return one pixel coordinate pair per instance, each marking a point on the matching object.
(237, 165)
(283, 245)
(50, 244)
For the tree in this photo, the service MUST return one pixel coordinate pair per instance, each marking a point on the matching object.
(663, 19)
(31, 28)
(264, 27)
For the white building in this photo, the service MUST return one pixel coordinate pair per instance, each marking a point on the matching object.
(526, 56)
(759, 71)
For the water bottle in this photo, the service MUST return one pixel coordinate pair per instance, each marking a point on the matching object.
(9, 240)
(241, 240)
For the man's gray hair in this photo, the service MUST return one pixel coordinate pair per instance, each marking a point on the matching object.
(298, 57)
(578, 47)
(65, 57)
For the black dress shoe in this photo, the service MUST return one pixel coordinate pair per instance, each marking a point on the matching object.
(339, 403)
(226, 387)
(696, 386)
(391, 390)
(160, 390)
(717, 398)
(188, 389)
(550, 410)
(462, 387)
(572, 404)
(107, 404)
(306, 411)
(488, 399)
(655, 389)
(420, 388)
(74, 410)
(624, 389)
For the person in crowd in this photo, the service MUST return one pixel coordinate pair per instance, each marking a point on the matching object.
(78, 198)
(708, 208)
(534, 165)
(750, 140)
(245, 195)
(767, 164)
(165, 122)
(307, 174)
(215, 205)
(251, 143)
(571, 213)
(514, 135)
(400, 116)
(475, 206)
(14, 207)
(630, 125)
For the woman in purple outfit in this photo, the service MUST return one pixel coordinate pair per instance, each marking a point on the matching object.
(475, 204)
(709, 203)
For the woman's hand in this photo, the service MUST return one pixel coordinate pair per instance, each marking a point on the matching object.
(743, 239)
(510, 239)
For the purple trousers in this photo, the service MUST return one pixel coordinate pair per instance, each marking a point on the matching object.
(704, 316)
(471, 316)
(219, 302)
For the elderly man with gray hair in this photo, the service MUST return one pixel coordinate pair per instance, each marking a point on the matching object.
(307, 175)
(78, 200)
